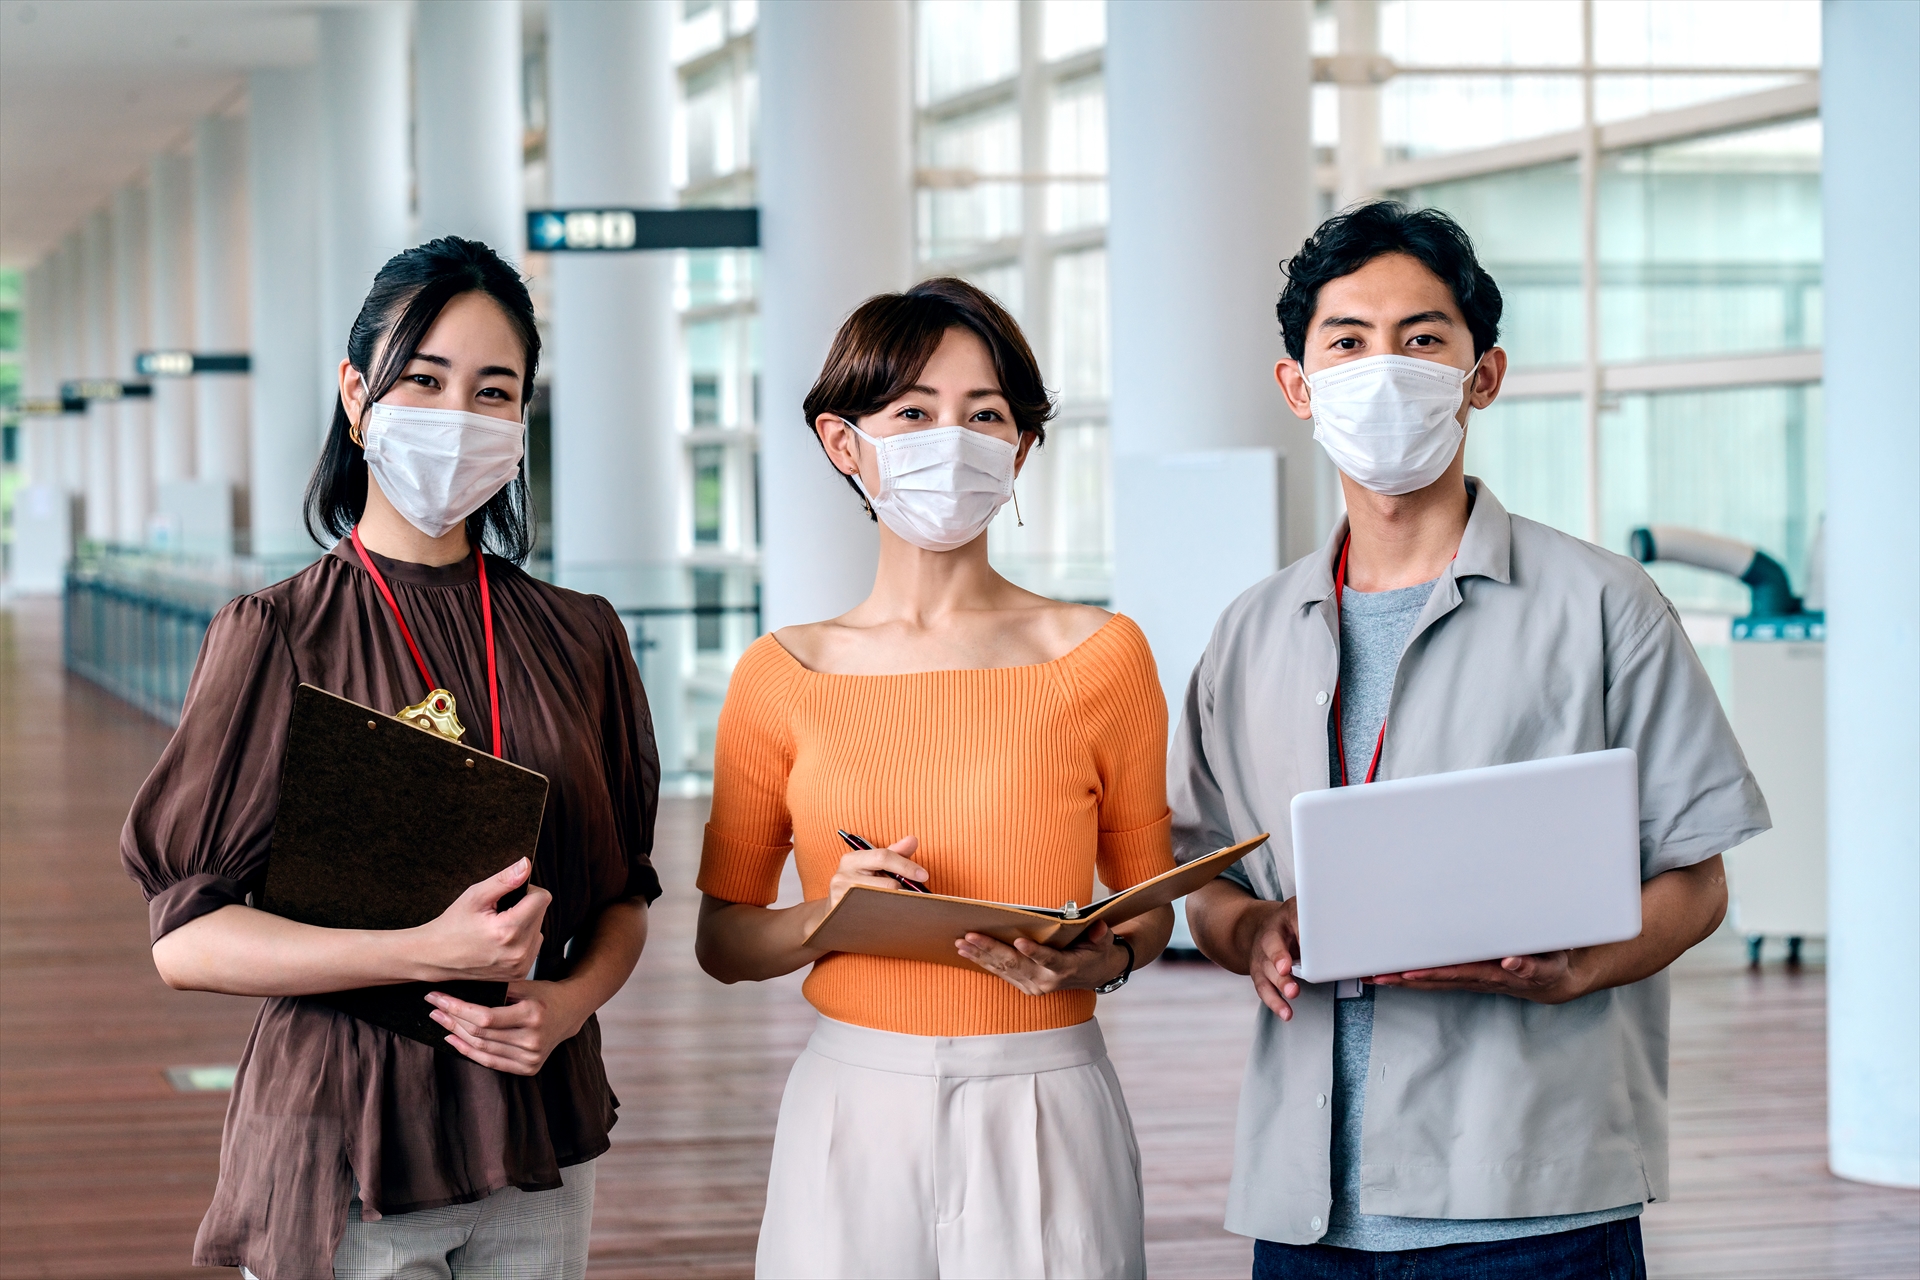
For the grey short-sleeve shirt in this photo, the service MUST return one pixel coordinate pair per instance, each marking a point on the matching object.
(1533, 644)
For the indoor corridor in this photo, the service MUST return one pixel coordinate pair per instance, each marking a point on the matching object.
(109, 1163)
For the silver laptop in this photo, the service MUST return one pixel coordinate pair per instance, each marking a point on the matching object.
(1510, 860)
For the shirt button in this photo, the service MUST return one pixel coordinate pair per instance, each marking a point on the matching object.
(1320, 698)
(1315, 1224)
(1319, 1099)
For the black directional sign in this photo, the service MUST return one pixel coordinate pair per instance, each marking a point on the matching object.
(184, 364)
(81, 390)
(628, 230)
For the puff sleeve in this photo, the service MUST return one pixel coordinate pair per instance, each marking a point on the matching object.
(196, 838)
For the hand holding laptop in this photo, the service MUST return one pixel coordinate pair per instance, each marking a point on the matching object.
(1276, 948)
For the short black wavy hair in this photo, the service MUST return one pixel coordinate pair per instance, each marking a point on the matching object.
(1352, 238)
(407, 296)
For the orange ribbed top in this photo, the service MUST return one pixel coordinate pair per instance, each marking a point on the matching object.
(1018, 781)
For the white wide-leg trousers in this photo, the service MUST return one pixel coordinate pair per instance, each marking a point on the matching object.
(962, 1158)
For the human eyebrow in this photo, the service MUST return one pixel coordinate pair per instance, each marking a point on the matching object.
(498, 371)
(1345, 322)
(983, 393)
(442, 361)
(1428, 317)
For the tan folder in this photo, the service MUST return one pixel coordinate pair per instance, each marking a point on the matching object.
(923, 926)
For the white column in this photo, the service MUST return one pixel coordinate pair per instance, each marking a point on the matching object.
(1870, 109)
(365, 197)
(1211, 180)
(96, 274)
(133, 462)
(468, 122)
(835, 171)
(283, 195)
(42, 528)
(616, 454)
(71, 293)
(41, 455)
(170, 309)
(220, 301)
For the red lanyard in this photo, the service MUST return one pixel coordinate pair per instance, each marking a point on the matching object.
(486, 622)
(1339, 730)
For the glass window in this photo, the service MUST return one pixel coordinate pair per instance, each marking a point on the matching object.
(1076, 147)
(709, 492)
(710, 126)
(1002, 280)
(1618, 97)
(1660, 33)
(1479, 33)
(1525, 224)
(1532, 454)
(1080, 325)
(958, 218)
(1745, 462)
(1712, 245)
(1435, 115)
(1071, 26)
(965, 44)
(709, 591)
(1325, 110)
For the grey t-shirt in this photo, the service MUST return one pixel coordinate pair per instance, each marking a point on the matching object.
(1374, 627)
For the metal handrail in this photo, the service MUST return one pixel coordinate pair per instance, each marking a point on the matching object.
(137, 645)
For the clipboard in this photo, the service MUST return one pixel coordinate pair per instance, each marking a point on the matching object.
(381, 825)
(922, 926)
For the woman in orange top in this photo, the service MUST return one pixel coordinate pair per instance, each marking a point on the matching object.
(996, 744)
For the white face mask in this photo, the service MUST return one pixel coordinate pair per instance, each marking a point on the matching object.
(941, 486)
(1390, 422)
(439, 466)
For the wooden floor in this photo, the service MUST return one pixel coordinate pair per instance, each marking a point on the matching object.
(105, 1169)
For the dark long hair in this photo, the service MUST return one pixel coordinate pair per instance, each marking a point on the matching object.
(407, 297)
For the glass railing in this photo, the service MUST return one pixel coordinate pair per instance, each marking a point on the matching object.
(135, 620)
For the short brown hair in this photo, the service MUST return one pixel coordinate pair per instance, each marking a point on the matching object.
(884, 346)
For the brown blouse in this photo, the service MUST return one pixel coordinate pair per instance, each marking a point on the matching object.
(323, 1102)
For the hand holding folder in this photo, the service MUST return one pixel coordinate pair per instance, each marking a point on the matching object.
(382, 825)
(919, 925)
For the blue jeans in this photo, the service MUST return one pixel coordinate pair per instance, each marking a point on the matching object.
(1610, 1251)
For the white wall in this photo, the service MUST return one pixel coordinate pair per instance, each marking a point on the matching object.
(220, 324)
(170, 309)
(616, 455)
(835, 175)
(1870, 104)
(366, 180)
(287, 417)
(468, 122)
(1211, 180)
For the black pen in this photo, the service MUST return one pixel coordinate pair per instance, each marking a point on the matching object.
(855, 842)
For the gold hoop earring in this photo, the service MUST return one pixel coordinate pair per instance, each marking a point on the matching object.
(353, 434)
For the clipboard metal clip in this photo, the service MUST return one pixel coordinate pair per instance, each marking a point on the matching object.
(1071, 911)
(436, 714)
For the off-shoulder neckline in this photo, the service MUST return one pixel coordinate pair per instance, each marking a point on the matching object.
(1099, 631)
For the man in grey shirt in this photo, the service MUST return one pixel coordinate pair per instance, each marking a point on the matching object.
(1500, 1119)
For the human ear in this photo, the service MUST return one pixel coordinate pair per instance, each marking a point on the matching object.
(837, 438)
(1293, 385)
(1027, 439)
(353, 395)
(1487, 378)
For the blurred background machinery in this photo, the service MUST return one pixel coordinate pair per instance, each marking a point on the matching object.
(1777, 697)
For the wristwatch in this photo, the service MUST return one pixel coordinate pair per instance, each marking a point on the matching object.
(1125, 973)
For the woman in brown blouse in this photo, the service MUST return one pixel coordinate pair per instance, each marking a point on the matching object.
(349, 1150)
